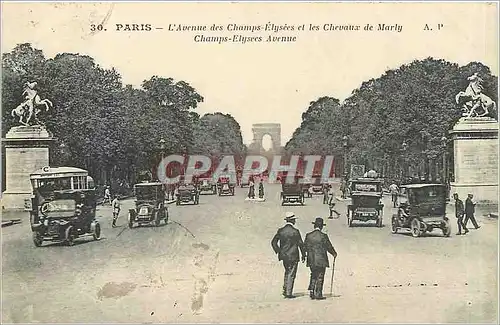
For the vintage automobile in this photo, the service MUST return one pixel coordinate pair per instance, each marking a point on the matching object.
(306, 184)
(317, 184)
(366, 201)
(187, 193)
(207, 185)
(225, 186)
(292, 193)
(63, 205)
(422, 209)
(150, 205)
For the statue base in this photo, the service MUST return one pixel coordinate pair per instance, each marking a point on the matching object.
(26, 150)
(475, 143)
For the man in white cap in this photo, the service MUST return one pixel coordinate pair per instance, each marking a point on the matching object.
(286, 243)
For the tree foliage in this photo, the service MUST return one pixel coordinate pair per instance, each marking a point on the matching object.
(112, 130)
(414, 104)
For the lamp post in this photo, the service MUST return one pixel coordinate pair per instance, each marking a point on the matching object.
(424, 153)
(404, 147)
(444, 143)
(62, 149)
(345, 145)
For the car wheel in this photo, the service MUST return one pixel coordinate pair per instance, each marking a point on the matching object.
(446, 228)
(394, 225)
(166, 216)
(37, 239)
(130, 221)
(70, 237)
(415, 228)
(97, 231)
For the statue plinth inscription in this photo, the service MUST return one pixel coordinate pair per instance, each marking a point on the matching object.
(475, 142)
(26, 150)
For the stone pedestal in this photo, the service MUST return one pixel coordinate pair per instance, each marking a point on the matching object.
(26, 150)
(475, 144)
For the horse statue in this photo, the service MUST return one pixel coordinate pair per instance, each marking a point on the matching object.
(29, 108)
(473, 99)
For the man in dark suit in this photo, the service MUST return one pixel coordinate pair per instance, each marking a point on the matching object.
(286, 243)
(469, 212)
(459, 213)
(317, 245)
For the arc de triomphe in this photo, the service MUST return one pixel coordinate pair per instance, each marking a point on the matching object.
(260, 130)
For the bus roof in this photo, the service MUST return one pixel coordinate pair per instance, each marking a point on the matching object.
(421, 185)
(57, 172)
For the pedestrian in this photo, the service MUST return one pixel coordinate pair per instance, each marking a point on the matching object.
(261, 189)
(107, 195)
(286, 243)
(326, 191)
(251, 189)
(393, 188)
(116, 209)
(317, 245)
(459, 213)
(469, 211)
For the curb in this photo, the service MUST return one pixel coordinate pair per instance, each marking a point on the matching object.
(10, 222)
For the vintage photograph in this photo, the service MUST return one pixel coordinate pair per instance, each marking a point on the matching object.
(249, 162)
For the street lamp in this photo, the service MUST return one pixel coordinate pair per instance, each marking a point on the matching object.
(62, 149)
(162, 148)
(424, 152)
(444, 143)
(404, 147)
(345, 145)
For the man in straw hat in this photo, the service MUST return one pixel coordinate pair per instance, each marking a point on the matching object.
(286, 243)
(317, 245)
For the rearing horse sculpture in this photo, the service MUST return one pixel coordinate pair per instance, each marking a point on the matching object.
(30, 106)
(473, 98)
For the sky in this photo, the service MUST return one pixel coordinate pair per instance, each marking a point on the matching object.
(263, 82)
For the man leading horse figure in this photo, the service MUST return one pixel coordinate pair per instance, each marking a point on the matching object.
(29, 108)
(473, 98)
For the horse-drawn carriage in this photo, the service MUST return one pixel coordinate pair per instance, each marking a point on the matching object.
(366, 201)
(150, 205)
(63, 205)
(422, 209)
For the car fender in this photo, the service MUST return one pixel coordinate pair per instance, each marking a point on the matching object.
(132, 212)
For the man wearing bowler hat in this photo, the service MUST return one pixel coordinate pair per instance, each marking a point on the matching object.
(286, 243)
(317, 245)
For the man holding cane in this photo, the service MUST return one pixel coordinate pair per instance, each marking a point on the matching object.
(317, 245)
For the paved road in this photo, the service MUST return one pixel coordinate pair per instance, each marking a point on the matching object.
(213, 263)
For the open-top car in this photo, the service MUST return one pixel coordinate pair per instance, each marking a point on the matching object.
(366, 201)
(150, 205)
(207, 185)
(422, 209)
(186, 193)
(63, 205)
(225, 186)
(291, 193)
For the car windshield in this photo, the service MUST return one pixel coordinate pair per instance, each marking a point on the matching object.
(146, 192)
(54, 184)
(426, 194)
(365, 201)
(59, 208)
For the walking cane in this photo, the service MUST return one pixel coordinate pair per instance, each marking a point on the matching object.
(333, 272)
